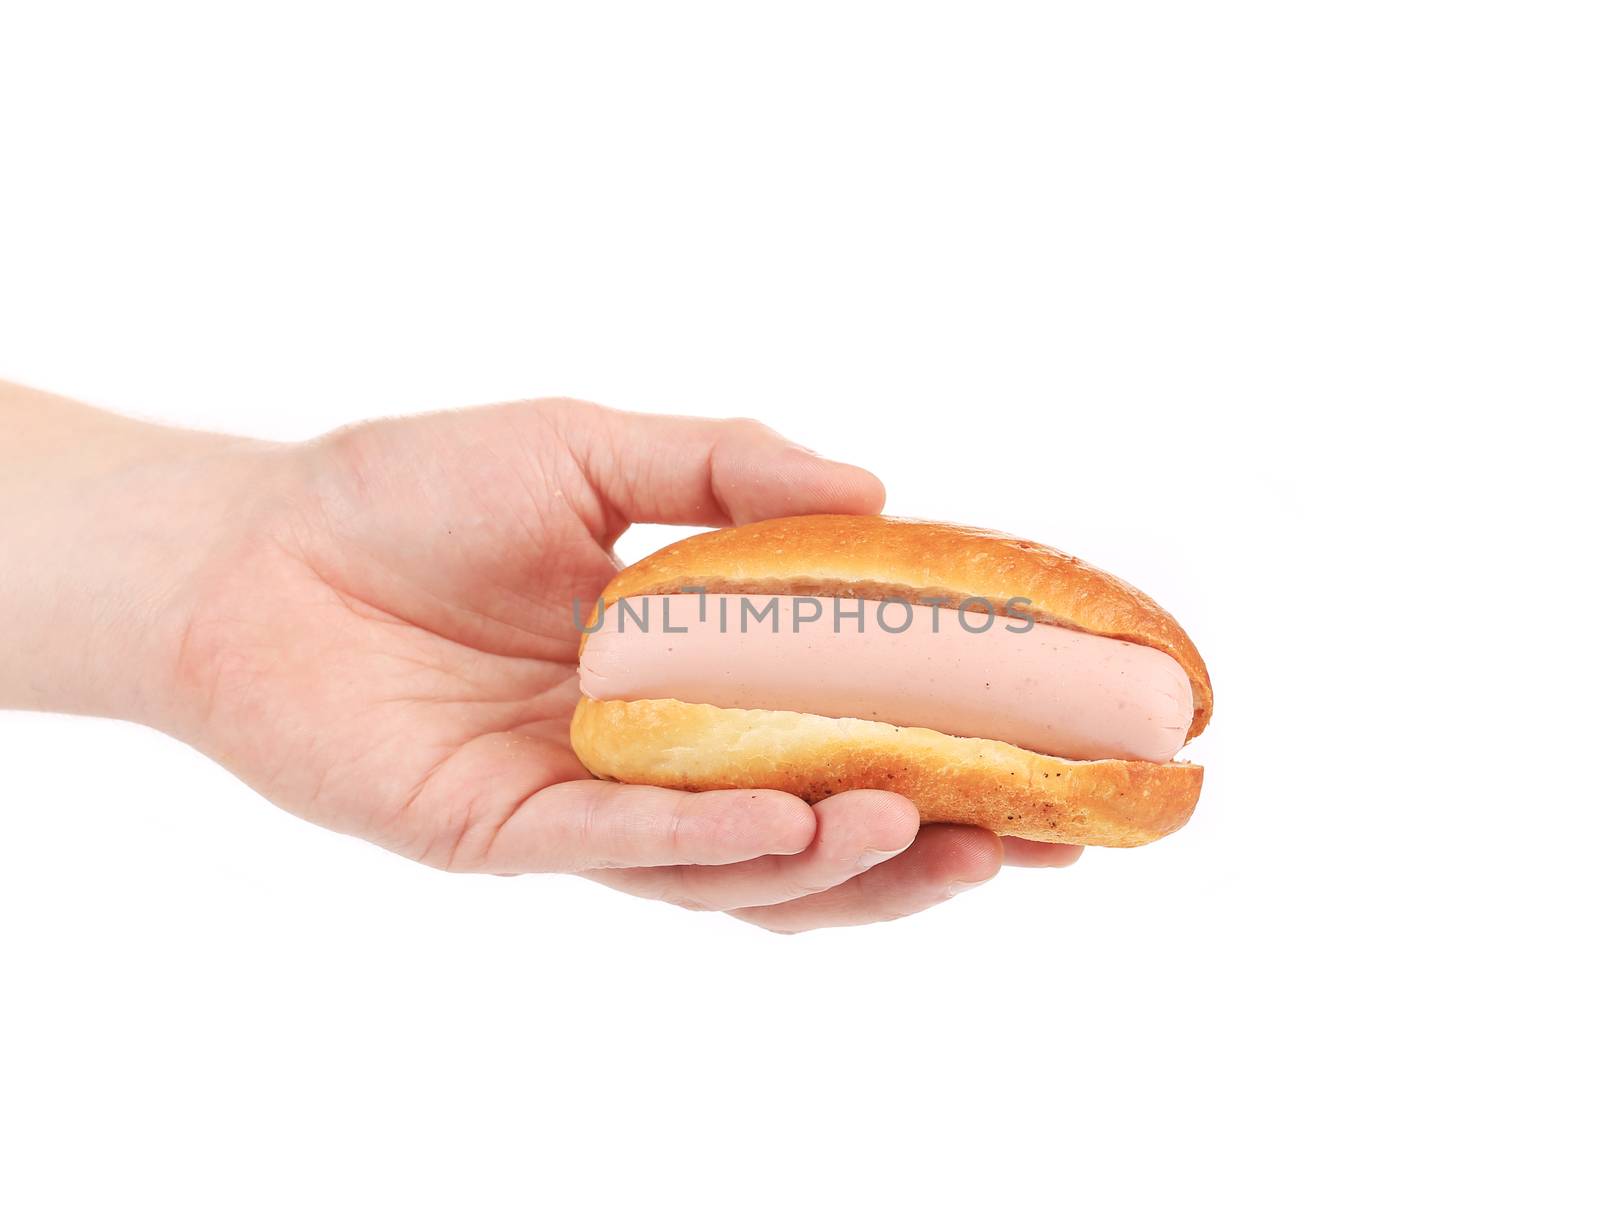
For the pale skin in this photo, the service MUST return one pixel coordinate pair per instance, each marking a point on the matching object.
(374, 629)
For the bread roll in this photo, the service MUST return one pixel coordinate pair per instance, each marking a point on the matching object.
(973, 780)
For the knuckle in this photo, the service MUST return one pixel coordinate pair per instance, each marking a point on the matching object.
(349, 449)
(650, 886)
(560, 413)
(748, 428)
(805, 889)
(457, 844)
(675, 829)
(770, 926)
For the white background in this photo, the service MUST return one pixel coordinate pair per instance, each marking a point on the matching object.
(1285, 313)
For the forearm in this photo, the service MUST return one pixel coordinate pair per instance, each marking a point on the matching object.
(105, 523)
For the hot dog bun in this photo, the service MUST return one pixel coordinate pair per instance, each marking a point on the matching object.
(1011, 791)
(992, 784)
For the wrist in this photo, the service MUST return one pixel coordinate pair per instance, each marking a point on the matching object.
(106, 527)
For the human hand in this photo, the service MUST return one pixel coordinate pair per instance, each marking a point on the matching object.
(376, 630)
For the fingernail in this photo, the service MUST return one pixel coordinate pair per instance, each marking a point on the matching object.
(876, 857)
(958, 887)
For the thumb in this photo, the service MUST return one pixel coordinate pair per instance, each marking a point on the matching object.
(679, 470)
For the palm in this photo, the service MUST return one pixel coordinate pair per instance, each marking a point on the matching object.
(391, 651)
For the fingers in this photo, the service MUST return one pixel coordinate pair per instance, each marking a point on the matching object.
(684, 471)
(942, 862)
(1035, 855)
(855, 832)
(767, 857)
(592, 824)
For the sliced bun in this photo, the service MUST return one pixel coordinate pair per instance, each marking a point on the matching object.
(1011, 791)
(891, 557)
(1008, 790)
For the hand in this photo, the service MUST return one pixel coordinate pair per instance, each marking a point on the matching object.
(378, 634)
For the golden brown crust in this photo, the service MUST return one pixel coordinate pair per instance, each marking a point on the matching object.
(1011, 791)
(839, 555)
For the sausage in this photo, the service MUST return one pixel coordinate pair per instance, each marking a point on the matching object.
(1048, 689)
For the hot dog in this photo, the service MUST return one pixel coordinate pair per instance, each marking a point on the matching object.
(991, 680)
